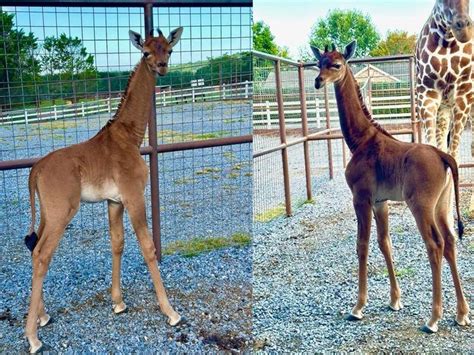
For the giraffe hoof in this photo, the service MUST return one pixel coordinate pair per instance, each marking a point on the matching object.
(353, 317)
(463, 321)
(395, 306)
(37, 348)
(46, 320)
(177, 321)
(429, 330)
(120, 308)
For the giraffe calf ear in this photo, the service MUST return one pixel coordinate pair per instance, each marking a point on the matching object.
(350, 50)
(136, 39)
(174, 36)
(316, 52)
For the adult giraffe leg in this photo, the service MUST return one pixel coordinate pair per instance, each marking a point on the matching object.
(363, 211)
(116, 241)
(443, 123)
(135, 205)
(461, 113)
(428, 104)
(385, 245)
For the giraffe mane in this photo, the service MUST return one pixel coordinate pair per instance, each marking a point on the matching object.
(366, 111)
(122, 99)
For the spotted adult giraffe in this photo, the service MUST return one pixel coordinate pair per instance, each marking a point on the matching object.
(444, 62)
(106, 167)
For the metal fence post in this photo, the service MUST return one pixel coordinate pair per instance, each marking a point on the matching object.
(304, 127)
(284, 151)
(328, 126)
(154, 184)
(416, 136)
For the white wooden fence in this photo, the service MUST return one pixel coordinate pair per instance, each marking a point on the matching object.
(266, 113)
(234, 91)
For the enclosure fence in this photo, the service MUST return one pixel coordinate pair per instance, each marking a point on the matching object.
(198, 145)
(297, 136)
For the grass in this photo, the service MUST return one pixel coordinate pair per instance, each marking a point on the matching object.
(470, 246)
(402, 272)
(169, 136)
(183, 181)
(271, 214)
(301, 203)
(230, 155)
(208, 170)
(233, 176)
(398, 229)
(196, 246)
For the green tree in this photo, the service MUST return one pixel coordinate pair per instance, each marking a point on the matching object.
(19, 68)
(343, 26)
(66, 56)
(264, 40)
(397, 42)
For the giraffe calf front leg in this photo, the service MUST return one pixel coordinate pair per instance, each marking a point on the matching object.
(117, 243)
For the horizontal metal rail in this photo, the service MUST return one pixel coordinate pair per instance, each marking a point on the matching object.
(129, 3)
(147, 150)
(392, 58)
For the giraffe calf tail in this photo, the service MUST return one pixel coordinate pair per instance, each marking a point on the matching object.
(32, 238)
(453, 165)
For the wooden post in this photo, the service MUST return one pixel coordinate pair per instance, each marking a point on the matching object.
(284, 151)
(304, 128)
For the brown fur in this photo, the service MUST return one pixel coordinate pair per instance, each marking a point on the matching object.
(383, 168)
(106, 167)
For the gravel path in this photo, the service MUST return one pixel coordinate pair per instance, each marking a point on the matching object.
(305, 282)
(212, 291)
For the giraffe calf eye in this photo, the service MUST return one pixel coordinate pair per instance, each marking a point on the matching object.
(146, 54)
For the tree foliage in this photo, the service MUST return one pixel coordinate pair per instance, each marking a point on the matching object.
(264, 40)
(66, 56)
(18, 65)
(397, 42)
(343, 26)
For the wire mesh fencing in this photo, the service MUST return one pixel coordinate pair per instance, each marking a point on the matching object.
(63, 70)
(285, 101)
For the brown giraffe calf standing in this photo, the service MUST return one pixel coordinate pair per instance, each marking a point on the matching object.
(106, 167)
(383, 168)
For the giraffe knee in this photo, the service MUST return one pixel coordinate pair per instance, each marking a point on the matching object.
(117, 246)
(149, 251)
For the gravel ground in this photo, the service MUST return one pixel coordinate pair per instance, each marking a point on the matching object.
(212, 291)
(305, 282)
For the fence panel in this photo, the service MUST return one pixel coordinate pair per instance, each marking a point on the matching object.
(45, 105)
(387, 88)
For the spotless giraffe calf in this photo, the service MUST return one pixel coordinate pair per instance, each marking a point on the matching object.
(106, 167)
(383, 168)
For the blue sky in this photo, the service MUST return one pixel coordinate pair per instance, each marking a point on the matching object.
(291, 21)
(208, 32)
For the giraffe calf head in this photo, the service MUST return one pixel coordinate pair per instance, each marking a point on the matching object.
(455, 14)
(332, 64)
(157, 50)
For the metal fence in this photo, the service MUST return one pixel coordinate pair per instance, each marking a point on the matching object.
(198, 146)
(297, 138)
